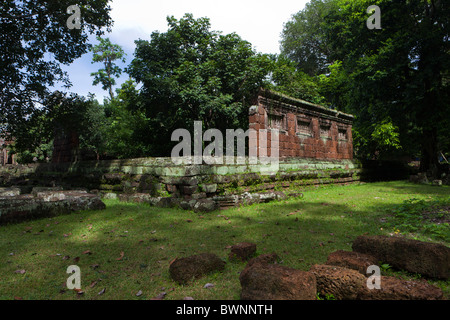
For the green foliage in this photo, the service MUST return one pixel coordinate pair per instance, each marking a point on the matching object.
(106, 52)
(35, 41)
(303, 38)
(333, 86)
(93, 127)
(385, 267)
(426, 217)
(328, 296)
(295, 83)
(192, 73)
(42, 153)
(395, 73)
(34, 138)
(62, 114)
(377, 141)
(386, 135)
(398, 73)
(84, 116)
(124, 127)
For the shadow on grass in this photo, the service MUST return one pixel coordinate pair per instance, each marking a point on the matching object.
(128, 248)
(405, 187)
(149, 239)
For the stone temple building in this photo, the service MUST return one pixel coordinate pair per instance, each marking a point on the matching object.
(306, 130)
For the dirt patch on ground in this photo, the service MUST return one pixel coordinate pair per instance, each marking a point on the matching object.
(437, 214)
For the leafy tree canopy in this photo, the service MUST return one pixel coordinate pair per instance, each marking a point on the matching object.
(192, 73)
(34, 41)
(399, 71)
(62, 114)
(395, 80)
(303, 38)
(106, 52)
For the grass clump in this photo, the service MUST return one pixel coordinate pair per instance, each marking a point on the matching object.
(425, 217)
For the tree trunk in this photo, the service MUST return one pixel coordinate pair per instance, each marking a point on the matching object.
(431, 113)
(429, 156)
(111, 93)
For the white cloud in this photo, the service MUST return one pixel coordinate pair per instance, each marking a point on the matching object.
(259, 22)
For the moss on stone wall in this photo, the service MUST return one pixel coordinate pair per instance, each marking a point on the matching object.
(160, 177)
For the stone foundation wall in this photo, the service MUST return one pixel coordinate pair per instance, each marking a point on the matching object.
(160, 181)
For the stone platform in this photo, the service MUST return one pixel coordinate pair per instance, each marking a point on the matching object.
(44, 202)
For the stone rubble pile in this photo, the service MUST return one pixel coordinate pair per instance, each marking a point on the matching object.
(344, 275)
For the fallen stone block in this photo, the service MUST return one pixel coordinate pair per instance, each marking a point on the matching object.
(422, 178)
(209, 187)
(248, 198)
(58, 195)
(171, 188)
(167, 202)
(267, 258)
(227, 201)
(242, 251)
(110, 196)
(36, 190)
(26, 207)
(140, 198)
(113, 178)
(265, 281)
(9, 192)
(392, 288)
(205, 205)
(351, 260)
(342, 283)
(429, 259)
(186, 269)
(188, 190)
(263, 197)
(188, 204)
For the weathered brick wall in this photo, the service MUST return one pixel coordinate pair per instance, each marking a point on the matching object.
(5, 156)
(306, 130)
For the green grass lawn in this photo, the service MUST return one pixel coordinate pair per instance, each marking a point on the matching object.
(127, 248)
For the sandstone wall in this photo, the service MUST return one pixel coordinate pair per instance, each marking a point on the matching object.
(159, 179)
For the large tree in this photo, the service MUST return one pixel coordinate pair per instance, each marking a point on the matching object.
(62, 115)
(288, 79)
(394, 79)
(303, 38)
(192, 73)
(398, 72)
(35, 39)
(107, 53)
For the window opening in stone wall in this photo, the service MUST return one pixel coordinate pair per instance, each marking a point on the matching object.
(10, 159)
(342, 134)
(277, 122)
(304, 127)
(325, 131)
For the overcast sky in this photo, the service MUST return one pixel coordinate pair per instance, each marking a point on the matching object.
(258, 21)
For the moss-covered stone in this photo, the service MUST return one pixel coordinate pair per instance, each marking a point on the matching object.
(161, 177)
